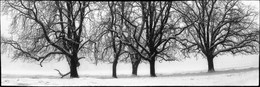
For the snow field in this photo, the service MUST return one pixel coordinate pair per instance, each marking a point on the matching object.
(230, 70)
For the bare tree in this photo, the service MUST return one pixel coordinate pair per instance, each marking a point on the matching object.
(108, 45)
(127, 11)
(218, 27)
(108, 36)
(151, 31)
(48, 28)
(116, 43)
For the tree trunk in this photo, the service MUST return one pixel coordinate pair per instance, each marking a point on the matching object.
(152, 68)
(210, 64)
(135, 63)
(114, 67)
(73, 67)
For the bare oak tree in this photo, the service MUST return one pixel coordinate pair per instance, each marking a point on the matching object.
(151, 30)
(48, 28)
(108, 46)
(218, 27)
(128, 10)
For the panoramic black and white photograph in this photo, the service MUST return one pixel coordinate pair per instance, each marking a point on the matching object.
(130, 43)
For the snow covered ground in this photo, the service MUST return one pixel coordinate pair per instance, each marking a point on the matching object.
(233, 77)
(230, 70)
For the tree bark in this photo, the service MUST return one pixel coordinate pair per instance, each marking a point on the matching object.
(135, 63)
(114, 67)
(152, 68)
(210, 64)
(73, 67)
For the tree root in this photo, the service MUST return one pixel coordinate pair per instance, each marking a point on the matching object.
(62, 75)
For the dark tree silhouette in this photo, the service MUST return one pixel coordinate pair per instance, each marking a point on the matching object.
(218, 27)
(108, 38)
(127, 9)
(45, 29)
(116, 44)
(151, 30)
